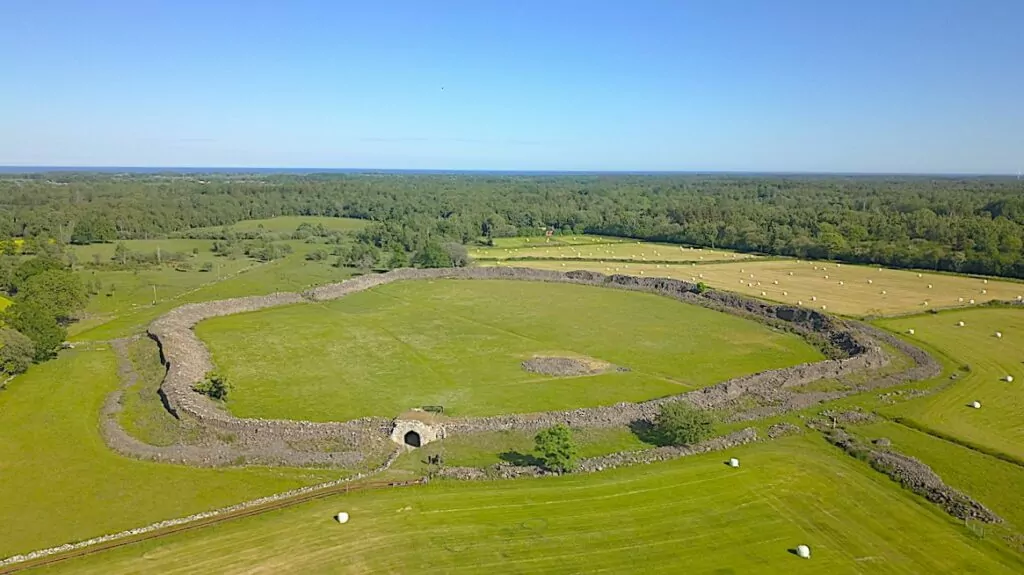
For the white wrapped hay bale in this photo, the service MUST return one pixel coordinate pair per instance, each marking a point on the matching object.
(910, 331)
(976, 405)
(341, 517)
(803, 551)
(960, 324)
(999, 335)
(1008, 379)
(734, 462)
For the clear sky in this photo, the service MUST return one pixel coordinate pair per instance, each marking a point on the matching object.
(769, 85)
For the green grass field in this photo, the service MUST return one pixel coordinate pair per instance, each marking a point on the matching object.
(905, 292)
(4, 303)
(290, 223)
(60, 483)
(999, 424)
(694, 515)
(460, 344)
(599, 249)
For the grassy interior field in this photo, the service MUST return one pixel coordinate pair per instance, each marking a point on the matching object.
(60, 483)
(599, 249)
(999, 424)
(695, 512)
(460, 344)
(4, 302)
(905, 291)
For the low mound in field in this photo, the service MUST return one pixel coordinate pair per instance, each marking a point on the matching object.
(568, 366)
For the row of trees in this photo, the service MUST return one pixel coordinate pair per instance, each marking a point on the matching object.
(957, 224)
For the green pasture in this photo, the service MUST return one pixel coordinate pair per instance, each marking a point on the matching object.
(60, 483)
(290, 223)
(292, 273)
(694, 515)
(461, 343)
(999, 424)
(4, 303)
(997, 484)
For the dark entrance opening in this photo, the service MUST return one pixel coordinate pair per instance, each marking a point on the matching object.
(412, 438)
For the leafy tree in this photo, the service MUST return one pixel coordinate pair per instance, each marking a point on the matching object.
(317, 255)
(38, 324)
(398, 259)
(206, 267)
(556, 447)
(679, 423)
(432, 256)
(215, 385)
(359, 255)
(32, 267)
(16, 352)
(458, 254)
(61, 292)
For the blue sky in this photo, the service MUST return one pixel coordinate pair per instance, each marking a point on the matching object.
(779, 85)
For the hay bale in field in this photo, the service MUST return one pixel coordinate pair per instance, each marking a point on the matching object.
(826, 277)
(971, 302)
(799, 302)
(976, 405)
(733, 462)
(984, 281)
(960, 323)
(999, 335)
(841, 283)
(763, 294)
(870, 282)
(984, 291)
(791, 273)
(814, 298)
(1008, 379)
(776, 282)
(785, 293)
(910, 331)
(919, 275)
(341, 517)
(929, 286)
(803, 551)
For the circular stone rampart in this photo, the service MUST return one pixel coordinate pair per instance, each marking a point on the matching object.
(187, 359)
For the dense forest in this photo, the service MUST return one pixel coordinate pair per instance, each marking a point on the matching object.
(973, 225)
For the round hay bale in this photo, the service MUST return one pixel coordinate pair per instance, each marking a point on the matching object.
(910, 331)
(870, 282)
(960, 323)
(999, 335)
(785, 293)
(824, 307)
(919, 275)
(763, 294)
(791, 273)
(799, 302)
(341, 517)
(803, 551)
(971, 302)
(976, 405)
(929, 286)
(814, 298)
(984, 281)
(883, 292)
(960, 300)
(734, 462)
(1008, 379)
(776, 282)
(984, 291)
(841, 283)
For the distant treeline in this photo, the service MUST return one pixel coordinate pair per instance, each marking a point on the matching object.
(973, 225)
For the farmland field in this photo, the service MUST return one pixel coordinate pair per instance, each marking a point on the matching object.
(999, 424)
(695, 512)
(905, 292)
(601, 249)
(4, 302)
(60, 483)
(460, 344)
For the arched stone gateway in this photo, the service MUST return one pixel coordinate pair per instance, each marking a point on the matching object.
(415, 433)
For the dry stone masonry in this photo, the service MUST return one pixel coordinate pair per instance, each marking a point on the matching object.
(852, 348)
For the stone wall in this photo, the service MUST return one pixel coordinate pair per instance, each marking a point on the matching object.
(188, 360)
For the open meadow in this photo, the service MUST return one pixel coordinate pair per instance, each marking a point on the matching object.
(998, 425)
(460, 344)
(695, 512)
(845, 289)
(59, 482)
(599, 249)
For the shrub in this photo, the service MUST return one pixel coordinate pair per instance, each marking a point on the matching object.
(679, 423)
(556, 448)
(215, 385)
(206, 267)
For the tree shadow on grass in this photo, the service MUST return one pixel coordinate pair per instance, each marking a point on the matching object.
(645, 431)
(520, 459)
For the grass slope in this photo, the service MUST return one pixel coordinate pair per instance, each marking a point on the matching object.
(999, 424)
(460, 344)
(905, 291)
(60, 483)
(694, 515)
(4, 303)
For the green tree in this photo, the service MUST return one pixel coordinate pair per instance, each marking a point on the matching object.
(16, 352)
(59, 291)
(432, 256)
(556, 447)
(398, 259)
(32, 267)
(679, 423)
(38, 324)
(458, 254)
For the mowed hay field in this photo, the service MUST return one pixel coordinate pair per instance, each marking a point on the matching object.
(60, 483)
(601, 249)
(693, 515)
(461, 343)
(999, 424)
(859, 294)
